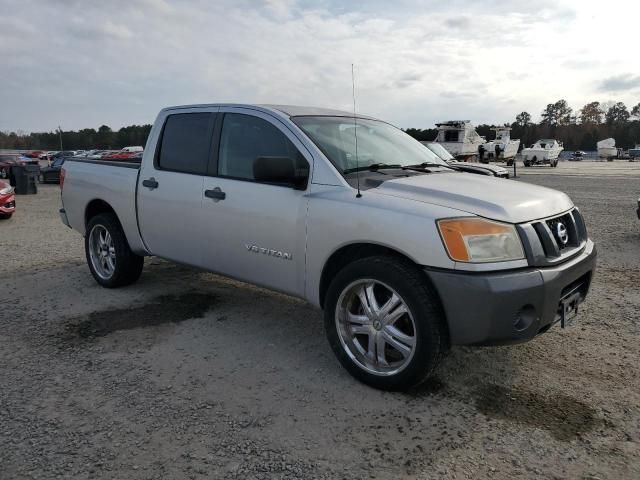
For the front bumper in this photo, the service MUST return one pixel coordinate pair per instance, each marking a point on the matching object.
(7, 204)
(509, 307)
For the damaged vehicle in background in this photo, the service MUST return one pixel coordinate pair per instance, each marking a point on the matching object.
(478, 168)
(405, 255)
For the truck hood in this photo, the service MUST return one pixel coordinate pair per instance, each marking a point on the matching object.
(498, 199)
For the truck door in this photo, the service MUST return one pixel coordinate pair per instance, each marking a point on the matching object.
(170, 186)
(256, 230)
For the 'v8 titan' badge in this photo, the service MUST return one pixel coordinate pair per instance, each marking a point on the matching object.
(268, 251)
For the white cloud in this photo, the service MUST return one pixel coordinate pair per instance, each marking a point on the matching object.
(82, 64)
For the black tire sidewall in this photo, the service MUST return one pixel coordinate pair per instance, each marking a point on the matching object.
(426, 312)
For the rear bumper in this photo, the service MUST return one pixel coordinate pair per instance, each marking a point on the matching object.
(511, 307)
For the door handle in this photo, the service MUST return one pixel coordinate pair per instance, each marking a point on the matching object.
(216, 194)
(150, 183)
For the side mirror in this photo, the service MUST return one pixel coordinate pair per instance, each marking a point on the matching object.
(280, 171)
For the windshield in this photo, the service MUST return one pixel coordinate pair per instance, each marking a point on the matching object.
(440, 151)
(378, 143)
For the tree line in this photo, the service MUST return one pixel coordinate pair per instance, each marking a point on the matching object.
(579, 130)
(88, 138)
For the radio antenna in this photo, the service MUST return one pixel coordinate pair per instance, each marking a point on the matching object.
(355, 130)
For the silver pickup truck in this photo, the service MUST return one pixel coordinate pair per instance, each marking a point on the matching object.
(405, 255)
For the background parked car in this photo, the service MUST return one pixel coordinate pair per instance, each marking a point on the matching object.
(33, 153)
(85, 153)
(51, 174)
(98, 154)
(119, 155)
(63, 154)
(7, 160)
(7, 200)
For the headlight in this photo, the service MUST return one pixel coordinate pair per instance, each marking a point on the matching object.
(476, 240)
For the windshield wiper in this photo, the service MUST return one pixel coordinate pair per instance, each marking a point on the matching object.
(425, 165)
(372, 168)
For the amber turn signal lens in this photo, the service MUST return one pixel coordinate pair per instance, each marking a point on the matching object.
(456, 234)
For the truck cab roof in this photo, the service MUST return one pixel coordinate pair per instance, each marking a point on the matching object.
(282, 110)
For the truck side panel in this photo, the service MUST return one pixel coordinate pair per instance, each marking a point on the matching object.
(114, 185)
(334, 223)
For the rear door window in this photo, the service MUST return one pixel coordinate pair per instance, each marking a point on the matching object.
(186, 143)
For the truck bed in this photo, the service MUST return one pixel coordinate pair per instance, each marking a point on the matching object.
(89, 182)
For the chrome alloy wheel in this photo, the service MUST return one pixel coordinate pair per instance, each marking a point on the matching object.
(102, 252)
(375, 327)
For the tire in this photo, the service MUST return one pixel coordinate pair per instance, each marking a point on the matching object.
(423, 317)
(5, 216)
(119, 266)
(527, 164)
(555, 164)
(510, 163)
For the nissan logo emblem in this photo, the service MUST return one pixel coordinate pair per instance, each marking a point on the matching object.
(562, 233)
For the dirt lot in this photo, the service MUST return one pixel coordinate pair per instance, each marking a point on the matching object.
(188, 375)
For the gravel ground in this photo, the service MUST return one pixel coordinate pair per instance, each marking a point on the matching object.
(189, 375)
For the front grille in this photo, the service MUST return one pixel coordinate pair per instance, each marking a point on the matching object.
(564, 231)
(554, 239)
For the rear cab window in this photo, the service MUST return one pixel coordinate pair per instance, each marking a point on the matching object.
(185, 146)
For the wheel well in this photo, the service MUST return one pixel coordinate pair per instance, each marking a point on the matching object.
(96, 207)
(347, 254)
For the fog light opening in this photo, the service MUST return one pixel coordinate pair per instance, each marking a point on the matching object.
(524, 318)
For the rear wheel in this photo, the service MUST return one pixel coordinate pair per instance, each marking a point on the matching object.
(384, 322)
(111, 261)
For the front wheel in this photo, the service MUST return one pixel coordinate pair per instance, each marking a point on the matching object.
(385, 323)
(111, 261)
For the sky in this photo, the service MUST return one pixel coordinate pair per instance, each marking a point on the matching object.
(81, 64)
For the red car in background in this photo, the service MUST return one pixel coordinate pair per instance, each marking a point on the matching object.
(7, 200)
(34, 153)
